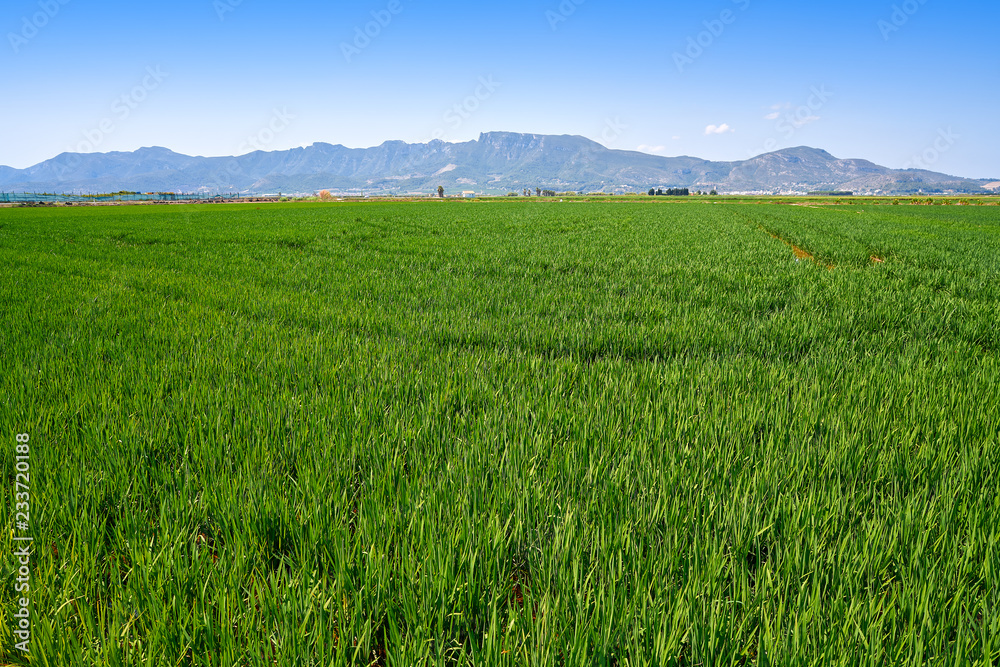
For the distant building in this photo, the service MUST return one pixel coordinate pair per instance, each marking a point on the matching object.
(469, 194)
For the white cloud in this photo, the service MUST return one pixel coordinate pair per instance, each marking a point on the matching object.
(677, 138)
(651, 149)
(800, 117)
(718, 129)
(798, 121)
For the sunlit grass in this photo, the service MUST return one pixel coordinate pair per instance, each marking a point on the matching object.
(504, 433)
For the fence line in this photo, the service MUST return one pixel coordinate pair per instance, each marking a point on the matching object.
(36, 197)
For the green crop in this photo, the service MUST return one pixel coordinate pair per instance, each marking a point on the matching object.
(489, 433)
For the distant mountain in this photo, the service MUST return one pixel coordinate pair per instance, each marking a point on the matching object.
(497, 162)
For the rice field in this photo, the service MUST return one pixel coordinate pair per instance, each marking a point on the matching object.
(503, 433)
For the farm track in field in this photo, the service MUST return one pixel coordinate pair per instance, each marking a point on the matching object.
(797, 251)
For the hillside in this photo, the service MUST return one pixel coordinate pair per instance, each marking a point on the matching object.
(497, 162)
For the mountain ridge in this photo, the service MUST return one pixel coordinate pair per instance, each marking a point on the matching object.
(496, 162)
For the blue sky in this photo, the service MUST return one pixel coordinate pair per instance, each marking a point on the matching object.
(899, 82)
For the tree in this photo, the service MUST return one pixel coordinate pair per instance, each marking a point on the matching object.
(713, 193)
(538, 192)
(441, 191)
(652, 192)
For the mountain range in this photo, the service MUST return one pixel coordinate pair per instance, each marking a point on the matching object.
(496, 163)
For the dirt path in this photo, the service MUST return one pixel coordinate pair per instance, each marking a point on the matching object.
(799, 253)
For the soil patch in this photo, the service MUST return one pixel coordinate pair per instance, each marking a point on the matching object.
(799, 253)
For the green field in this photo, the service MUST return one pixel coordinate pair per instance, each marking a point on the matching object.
(487, 433)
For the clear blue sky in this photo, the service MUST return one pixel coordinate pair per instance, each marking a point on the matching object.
(883, 80)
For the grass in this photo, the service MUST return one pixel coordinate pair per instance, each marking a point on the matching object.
(504, 433)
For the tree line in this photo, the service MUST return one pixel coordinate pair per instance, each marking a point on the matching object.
(669, 192)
